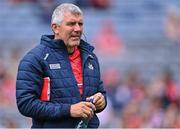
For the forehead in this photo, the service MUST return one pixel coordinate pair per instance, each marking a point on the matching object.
(72, 17)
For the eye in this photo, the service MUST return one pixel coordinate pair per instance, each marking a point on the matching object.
(71, 23)
(80, 24)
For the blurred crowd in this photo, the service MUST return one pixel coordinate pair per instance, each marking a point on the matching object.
(46, 6)
(133, 102)
(137, 103)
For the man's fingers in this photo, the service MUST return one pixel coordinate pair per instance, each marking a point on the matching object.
(98, 97)
(99, 100)
(87, 109)
(90, 105)
(87, 114)
(101, 104)
(82, 109)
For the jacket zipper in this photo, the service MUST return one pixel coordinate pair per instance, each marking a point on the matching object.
(73, 77)
(83, 65)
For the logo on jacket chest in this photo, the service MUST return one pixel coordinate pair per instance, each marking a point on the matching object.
(55, 66)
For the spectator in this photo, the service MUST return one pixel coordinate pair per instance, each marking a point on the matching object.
(100, 4)
(108, 41)
(172, 24)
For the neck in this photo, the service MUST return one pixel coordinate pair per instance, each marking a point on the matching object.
(70, 49)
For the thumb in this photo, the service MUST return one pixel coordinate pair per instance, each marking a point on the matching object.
(88, 99)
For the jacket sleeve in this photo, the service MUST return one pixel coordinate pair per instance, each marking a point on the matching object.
(101, 88)
(28, 90)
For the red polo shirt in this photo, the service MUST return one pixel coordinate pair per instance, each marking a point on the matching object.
(76, 64)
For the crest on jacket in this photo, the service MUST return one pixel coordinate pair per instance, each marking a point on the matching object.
(90, 66)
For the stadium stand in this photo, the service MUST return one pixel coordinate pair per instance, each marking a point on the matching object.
(144, 95)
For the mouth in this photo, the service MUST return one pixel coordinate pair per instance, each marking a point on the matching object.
(75, 37)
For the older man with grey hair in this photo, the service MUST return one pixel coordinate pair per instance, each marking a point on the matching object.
(58, 82)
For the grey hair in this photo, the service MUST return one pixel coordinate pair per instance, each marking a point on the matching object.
(59, 11)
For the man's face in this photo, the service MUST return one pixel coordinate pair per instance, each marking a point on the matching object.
(70, 29)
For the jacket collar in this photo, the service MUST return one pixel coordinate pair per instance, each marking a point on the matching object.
(49, 41)
(85, 46)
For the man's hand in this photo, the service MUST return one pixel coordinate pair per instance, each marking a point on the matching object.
(99, 100)
(82, 109)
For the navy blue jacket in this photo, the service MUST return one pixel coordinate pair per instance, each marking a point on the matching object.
(40, 62)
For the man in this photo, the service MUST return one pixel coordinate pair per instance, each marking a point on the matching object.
(64, 67)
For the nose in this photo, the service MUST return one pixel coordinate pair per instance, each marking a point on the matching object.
(77, 28)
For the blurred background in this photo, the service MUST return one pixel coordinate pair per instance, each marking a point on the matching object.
(138, 45)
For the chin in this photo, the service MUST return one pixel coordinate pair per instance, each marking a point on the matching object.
(75, 43)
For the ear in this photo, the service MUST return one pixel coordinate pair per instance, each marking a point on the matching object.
(55, 28)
